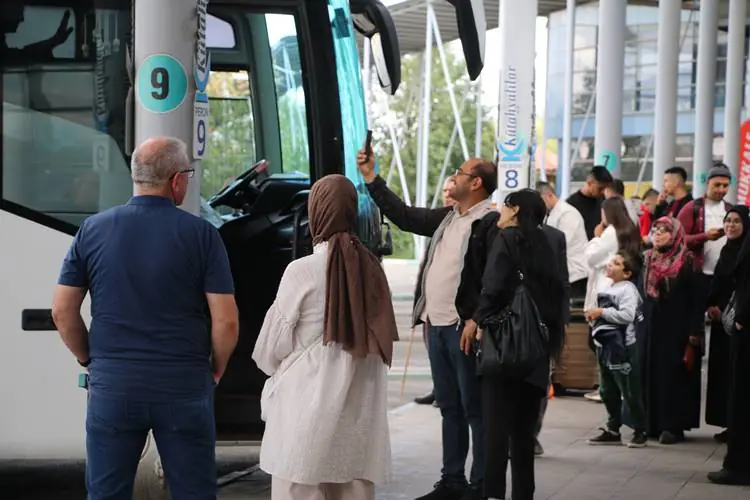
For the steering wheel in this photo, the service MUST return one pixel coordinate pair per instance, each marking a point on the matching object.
(232, 194)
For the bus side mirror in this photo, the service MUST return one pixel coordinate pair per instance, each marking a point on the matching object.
(472, 30)
(372, 20)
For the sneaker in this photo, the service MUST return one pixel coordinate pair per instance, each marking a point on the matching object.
(472, 493)
(593, 396)
(667, 437)
(638, 440)
(607, 437)
(444, 491)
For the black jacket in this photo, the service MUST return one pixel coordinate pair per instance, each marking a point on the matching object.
(417, 220)
(610, 336)
(483, 232)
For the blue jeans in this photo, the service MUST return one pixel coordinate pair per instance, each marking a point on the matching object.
(116, 430)
(458, 395)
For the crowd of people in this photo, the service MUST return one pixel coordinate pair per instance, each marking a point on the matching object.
(493, 296)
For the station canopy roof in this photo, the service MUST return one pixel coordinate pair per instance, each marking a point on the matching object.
(410, 17)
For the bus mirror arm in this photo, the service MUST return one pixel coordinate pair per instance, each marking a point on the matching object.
(373, 20)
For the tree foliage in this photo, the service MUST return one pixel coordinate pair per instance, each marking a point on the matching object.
(404, 107)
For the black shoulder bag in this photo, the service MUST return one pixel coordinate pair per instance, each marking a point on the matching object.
(515, 341)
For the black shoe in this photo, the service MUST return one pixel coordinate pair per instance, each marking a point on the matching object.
(444, 491)
(472, 493)
(728, 478)
(607, 437)
(722, 437)
(427, 399)
(638, 440)
(671, 437)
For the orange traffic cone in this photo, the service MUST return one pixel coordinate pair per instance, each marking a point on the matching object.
(551, 392)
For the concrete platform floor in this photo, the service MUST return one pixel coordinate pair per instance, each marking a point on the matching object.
(569, 470)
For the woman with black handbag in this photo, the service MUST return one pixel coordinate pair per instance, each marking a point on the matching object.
(520, 318)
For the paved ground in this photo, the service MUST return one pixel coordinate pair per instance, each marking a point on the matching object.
(570, 470)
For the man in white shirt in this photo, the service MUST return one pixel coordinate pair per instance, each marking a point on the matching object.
(564, 217)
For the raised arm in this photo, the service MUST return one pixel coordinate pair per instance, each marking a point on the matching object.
(417, 220)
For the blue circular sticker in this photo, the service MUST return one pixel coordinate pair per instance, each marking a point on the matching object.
(161, 83)
(607, 159)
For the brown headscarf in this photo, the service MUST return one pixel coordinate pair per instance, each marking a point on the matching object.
(359, 312)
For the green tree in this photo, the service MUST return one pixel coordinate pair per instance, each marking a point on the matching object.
(442, 121)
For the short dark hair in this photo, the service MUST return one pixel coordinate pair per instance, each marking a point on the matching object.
(649, 193)
(629, 263)
(487, 171)
(677, 171)
(618, 187)
(601, 175)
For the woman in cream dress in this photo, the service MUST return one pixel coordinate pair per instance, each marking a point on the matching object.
(327, 343)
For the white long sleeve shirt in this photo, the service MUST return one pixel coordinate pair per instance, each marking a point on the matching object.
(599, 251)
(564, 217)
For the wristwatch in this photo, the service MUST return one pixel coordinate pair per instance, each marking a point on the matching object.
(84, 364)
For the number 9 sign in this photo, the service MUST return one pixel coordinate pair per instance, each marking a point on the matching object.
(200, 129)
(161, 83)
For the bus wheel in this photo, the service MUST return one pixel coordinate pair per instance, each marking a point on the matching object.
(150, 483)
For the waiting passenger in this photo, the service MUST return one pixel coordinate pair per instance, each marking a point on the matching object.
(153, 360)
(457, 390)
(614, 333)
(736, 466)
(736, 228)
(673, 325)
(511, 403)
(327, 343)
(648, 205)
(674, 196)
(588, 199)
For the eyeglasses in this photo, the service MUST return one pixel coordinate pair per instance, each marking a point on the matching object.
(461, 172)
(189, 172)
(736, 222)
(662, 229)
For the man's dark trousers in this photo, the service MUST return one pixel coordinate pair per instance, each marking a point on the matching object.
(457, 393)
(116, 431)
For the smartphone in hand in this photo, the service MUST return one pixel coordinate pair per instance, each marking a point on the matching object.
(368, 144)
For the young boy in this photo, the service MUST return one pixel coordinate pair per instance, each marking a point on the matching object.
(614, 335)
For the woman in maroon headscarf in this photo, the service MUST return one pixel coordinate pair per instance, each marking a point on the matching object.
(673, 332)
(327, 343)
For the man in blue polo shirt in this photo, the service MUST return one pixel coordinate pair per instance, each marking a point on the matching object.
(154, 272)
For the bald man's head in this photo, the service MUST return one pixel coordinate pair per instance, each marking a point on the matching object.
(157, 160)
(161, 167)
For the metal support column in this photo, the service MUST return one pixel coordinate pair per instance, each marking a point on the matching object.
(734, 89)
(366, 80)
(567, 165)
(665, 127)
(516, 101)
(167, 55)
(424, 126)
(610, 62)
(478, 124)
(708, 26)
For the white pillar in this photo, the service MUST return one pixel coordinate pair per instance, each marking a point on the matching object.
(734, 89)
(665, 123)
(516, 102)
(708, 27)
(610, 63)
(567, 132)
(479, 123)
(165, 88)
(424, 127)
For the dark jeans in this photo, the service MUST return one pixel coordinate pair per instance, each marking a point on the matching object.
(116, 430)
(511, 410)
(458, 396)
(615, 385)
